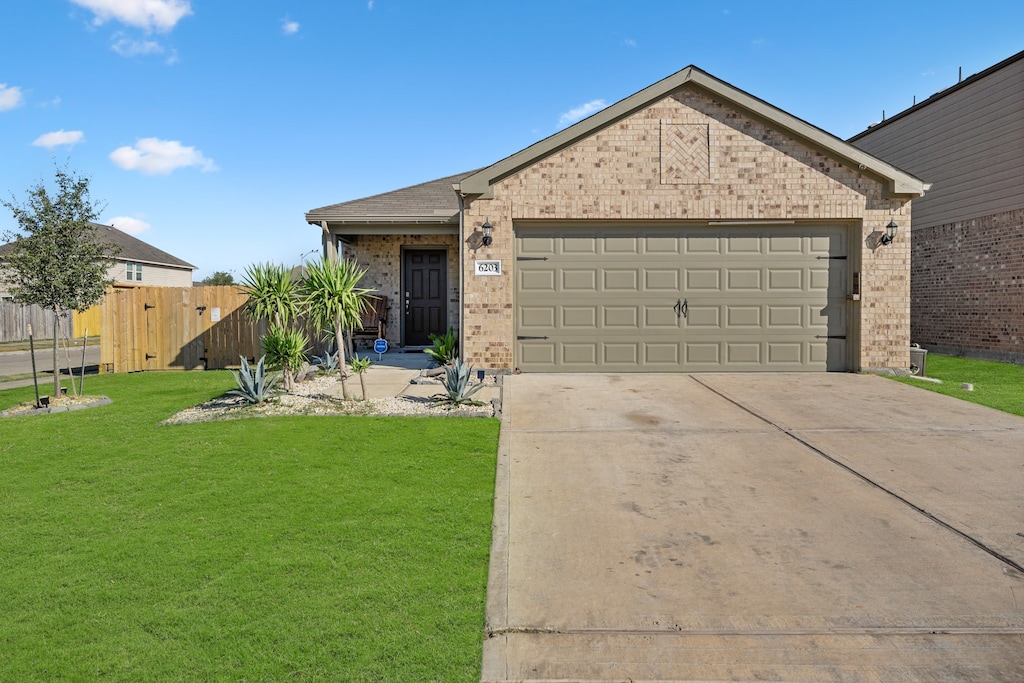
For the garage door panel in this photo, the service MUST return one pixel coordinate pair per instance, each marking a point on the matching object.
(743, 279)
(542, 281)
(582, 317)
(743, 316)
(785, 279)
(575, 280)
(764, 298)
(703, 280)
(665, 354)
(621, 317)
(658, 280)
(537, 316)
(620, 280)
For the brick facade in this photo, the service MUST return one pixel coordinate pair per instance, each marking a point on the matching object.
(754, 173)
(381, 255)
(967, 288)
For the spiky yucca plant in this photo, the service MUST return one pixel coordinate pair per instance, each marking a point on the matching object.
(334, 301)
(273, 294)
(286, 346)
(253, 383)
(445, 348)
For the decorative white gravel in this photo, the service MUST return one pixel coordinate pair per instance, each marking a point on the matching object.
(321, 396)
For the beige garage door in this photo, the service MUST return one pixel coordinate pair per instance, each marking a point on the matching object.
(681, 299)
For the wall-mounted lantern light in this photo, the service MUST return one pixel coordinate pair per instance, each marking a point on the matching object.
(488, 229)
(890, 233)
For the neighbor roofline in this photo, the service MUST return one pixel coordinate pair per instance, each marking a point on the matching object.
(481, 183)
(974, 78)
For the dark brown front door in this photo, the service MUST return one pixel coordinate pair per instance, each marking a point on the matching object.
(425, 282)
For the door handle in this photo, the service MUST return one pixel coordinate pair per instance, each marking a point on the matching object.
(682, 308)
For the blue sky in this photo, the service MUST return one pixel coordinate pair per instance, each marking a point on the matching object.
(209, 127)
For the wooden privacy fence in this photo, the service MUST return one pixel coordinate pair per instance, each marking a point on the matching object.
(172, 328)
(15, 319)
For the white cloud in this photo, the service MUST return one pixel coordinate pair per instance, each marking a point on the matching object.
(289, 28)
(629, 42)
(10, 97)
(584, 110)
(132, 226)
(129, 47)
(58, 138)
(154, 156)
(158, 15)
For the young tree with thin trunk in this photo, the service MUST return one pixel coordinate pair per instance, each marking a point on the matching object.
(55, 259)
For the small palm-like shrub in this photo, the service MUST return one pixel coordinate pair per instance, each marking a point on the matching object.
(286, 347)
(360, 365)
(445, 348)
(457, 390)
(253, 383)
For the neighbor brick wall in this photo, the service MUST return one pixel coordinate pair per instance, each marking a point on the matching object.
(967, 289)
(755, 173)
(381, 255)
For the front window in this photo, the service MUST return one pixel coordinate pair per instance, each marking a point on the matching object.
(133, 271)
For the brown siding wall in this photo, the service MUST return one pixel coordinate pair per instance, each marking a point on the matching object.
(967, 289)
(968, 144)
(755, 173)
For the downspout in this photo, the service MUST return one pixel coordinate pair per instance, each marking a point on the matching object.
(462, 266)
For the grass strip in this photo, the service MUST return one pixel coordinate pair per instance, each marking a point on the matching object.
(340, 548)
(996, 385)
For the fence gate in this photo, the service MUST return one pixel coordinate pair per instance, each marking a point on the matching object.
(175, 328)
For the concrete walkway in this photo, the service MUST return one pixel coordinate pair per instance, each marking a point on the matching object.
(754, 527)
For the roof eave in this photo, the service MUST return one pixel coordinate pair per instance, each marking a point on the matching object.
(362, 220)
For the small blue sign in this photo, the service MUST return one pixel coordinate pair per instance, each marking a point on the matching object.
(380, 346)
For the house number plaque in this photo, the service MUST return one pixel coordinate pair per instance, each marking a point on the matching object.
(487, 267)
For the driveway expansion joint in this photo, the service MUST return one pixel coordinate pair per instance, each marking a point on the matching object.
(871, 482)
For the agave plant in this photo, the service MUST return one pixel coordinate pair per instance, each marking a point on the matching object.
(327, 363)
(253, 383)
(457, 391)
(445, 348)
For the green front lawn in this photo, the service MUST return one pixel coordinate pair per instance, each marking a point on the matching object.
(996, 385)
(341, 548)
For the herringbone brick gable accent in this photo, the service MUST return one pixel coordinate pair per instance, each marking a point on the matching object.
(685, 156)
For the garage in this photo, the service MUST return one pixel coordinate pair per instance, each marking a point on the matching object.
(681, 298)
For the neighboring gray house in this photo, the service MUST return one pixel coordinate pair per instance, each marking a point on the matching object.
(138, 263)
(967, 275)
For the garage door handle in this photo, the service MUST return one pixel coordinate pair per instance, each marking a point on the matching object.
(682, 308)
(521, 337)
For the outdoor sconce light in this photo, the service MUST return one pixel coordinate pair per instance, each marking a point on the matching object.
(890, 233)
(488, 229)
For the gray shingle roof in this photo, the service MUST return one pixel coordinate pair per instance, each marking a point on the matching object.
(132, 248)
(431, 202)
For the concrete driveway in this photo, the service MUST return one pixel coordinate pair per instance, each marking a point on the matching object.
(782, 527)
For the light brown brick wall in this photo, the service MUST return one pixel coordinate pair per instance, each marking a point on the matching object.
(381, 255)
(967, 287)
(755, 173)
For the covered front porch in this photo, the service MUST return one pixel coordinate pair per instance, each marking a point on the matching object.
(408, 242)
